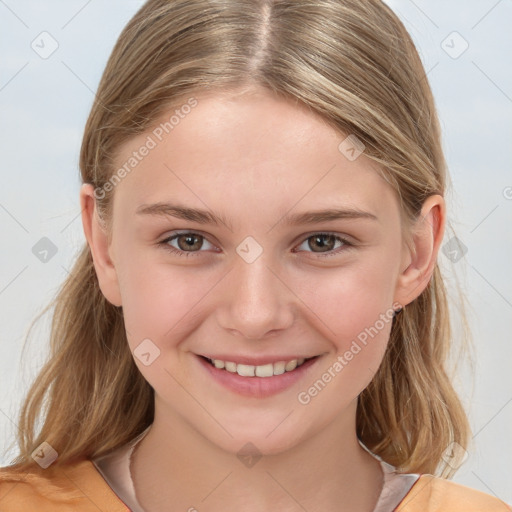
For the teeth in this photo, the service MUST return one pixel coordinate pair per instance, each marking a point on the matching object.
(230, 367)
(266, 370)
(279, 368)
(245, 370)
(291, 365)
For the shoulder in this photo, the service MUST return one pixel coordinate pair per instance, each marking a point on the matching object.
(432, 494)
(75, 486)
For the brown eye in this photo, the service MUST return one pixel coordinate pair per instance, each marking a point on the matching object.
(189, 242)
(325, 244)
(322, 242)
(186, 244)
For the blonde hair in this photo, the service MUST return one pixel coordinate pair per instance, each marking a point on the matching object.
(355, 65)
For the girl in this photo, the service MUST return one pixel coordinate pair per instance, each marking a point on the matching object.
(257, 320)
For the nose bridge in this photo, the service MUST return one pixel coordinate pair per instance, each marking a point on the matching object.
(256, 301)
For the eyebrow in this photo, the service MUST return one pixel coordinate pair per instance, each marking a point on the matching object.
(205, 217)
(181, 212)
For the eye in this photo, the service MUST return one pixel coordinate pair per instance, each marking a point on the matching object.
(187, 243)
(326, 243)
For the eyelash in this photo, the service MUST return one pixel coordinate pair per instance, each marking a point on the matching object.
(165, 244)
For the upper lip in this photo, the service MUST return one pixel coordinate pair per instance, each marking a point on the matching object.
(256, 361)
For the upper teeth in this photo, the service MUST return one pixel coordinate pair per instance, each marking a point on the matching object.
(265, 370)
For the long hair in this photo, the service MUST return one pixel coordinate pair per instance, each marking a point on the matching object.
(349, 61)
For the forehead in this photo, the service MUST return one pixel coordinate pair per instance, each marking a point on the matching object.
(246, 151)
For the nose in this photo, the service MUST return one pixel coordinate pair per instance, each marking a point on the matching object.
(255, 301)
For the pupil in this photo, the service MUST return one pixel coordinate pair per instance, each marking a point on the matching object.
(319, 238)
(189, 241)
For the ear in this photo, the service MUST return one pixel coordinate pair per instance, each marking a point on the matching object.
(420, 261)
(99, 244)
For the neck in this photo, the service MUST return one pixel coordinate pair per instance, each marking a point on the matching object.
(175, 466)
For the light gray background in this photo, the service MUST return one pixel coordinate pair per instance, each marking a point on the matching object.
(44, 105)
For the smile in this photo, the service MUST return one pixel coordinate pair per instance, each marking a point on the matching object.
(257, 381)
(266, 370)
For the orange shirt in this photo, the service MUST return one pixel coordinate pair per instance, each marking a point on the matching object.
(80, 487)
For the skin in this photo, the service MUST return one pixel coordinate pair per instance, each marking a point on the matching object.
(253, 158)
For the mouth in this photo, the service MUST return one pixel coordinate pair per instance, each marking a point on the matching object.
(257, 381)
(262, 371)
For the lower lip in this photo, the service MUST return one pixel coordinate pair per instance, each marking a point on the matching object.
(257, 387)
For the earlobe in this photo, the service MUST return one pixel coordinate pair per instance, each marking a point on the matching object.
(97, 239)
(428, 232)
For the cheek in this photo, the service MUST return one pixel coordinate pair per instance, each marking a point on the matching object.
(350, 299)
(355, 315)
(352, 309)
(160, 300)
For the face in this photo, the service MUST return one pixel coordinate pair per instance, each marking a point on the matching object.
(264, 282)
